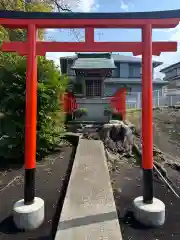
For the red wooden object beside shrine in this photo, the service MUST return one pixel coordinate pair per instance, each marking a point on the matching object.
(118, 102)
(89, 21)
(69, 102)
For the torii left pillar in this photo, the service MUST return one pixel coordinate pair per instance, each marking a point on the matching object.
(28, 213)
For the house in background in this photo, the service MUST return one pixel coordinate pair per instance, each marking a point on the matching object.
(172, 76)
(97, 76)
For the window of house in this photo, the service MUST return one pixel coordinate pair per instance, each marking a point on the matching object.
(93, 88)
(134, 71)
(124, 70)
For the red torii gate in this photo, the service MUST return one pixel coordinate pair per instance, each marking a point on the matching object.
(89, 21)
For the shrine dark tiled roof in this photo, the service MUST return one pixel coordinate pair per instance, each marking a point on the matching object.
(94, 61)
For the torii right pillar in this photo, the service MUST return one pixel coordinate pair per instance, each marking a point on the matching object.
(147, 114)
(148, 210)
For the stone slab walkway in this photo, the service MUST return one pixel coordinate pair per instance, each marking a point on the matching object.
(89, 210)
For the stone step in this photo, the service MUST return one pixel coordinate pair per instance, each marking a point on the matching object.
(89, 211)
(86, 122)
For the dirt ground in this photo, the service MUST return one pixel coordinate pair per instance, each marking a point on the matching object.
(52, 176)
(167, 132)
(166, 124)
(127, 185)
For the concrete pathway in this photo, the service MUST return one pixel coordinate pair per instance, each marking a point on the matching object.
(89, 210)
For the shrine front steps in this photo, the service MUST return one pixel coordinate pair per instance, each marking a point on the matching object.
(89, 211)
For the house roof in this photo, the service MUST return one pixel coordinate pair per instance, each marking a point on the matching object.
(94, 61)
(134, 81)
(163, 70)
(115, 57)
(123, 58)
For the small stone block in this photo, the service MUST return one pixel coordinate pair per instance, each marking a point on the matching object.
(151, 215)
(28, 217)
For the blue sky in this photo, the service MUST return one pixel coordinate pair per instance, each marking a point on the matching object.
(120, 35)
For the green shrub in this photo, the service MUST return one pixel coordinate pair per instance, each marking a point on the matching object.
(50, 117)
(117, 115)
(80, 112)
(108, 111)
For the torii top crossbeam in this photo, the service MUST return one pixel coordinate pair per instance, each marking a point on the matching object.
(89, 21)
(159, 19)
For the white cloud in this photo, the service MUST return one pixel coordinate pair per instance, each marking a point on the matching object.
(175, 34)
(87, 5)
(124, 6)
(79, 5)
(169, 58)
(164, 30)
(50, 30)
(56, 56)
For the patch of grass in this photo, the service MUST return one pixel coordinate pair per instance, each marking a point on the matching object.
(135, 118)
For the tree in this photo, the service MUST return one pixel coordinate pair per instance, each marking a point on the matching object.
(12, 104)
(36, 6)
(26, 6)
(63, 5)
(12, 90)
